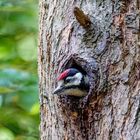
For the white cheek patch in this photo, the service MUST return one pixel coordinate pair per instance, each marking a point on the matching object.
(78, 78)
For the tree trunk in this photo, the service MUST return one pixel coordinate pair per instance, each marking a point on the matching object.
(102, 39)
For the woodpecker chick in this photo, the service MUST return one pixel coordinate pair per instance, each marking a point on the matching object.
(72, 82)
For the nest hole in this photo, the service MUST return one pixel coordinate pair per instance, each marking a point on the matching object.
(86, 67)
(72, 64)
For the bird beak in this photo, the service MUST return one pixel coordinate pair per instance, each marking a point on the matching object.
(58, 90)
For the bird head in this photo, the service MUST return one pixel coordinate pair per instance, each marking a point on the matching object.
(72, 82)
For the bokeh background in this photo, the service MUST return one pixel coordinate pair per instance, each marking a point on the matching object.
(19, 103)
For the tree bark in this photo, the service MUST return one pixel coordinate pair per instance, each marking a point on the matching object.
(102, 39)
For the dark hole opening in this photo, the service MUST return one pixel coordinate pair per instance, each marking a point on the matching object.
(87, 68)
(73, 64)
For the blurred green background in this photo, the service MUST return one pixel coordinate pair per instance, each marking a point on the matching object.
(19, 103)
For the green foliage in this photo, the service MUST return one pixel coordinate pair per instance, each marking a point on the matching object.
(19, 106)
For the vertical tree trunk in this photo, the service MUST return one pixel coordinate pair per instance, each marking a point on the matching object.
(108, 50)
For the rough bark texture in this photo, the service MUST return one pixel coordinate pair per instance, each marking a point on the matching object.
(108, 51)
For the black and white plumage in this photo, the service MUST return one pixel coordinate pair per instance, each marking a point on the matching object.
(73, 83)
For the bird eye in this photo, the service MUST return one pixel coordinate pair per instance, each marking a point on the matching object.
(68, 79)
